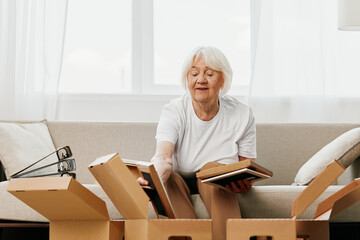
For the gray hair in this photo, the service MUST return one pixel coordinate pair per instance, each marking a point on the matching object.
(214, 59)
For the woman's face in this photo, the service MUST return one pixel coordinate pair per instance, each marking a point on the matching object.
(203, 82)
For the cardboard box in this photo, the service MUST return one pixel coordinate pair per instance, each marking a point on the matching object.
(293, 228)
(156, 189)
(121, 186)
(318, 228)
(74, 211)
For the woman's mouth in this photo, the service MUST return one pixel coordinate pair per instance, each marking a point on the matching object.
(201, 89)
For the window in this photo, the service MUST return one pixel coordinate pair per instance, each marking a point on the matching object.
(97, 51)
(180, 26)
(139, 46)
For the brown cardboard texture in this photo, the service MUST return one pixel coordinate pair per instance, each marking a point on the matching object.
(74, 212)
(164, 229)
(339, 201)
(129, 198)
(160, 199)
(314, 229)
(318, 228)
(121, 186)
(244, 229)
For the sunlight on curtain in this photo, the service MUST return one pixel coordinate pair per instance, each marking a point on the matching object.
(31, 46)
(304, 69)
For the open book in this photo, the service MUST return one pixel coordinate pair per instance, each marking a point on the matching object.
(222, 175)
(155, 190)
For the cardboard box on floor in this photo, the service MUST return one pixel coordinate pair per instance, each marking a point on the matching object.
(293, 228)
(132, 202)
(74, 211)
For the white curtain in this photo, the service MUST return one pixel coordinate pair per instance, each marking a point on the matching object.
(304, 69)
(31, 49)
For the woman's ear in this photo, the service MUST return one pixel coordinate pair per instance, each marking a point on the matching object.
(223, 80)
(222, 84)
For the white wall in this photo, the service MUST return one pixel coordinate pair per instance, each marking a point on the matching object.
(147, 108)
(111, 108)
(306, 110)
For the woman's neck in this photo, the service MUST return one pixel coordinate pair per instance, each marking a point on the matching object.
(206, 111)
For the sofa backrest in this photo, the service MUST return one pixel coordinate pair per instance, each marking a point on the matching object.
(283, 148)
(90, 140)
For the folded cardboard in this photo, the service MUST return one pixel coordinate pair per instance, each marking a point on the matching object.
(313, 229)
(121, 186)
(74, 212)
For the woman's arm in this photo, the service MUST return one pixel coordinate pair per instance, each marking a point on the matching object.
(245, 158)
(162, 161)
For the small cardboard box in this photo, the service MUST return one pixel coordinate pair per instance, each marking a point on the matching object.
(74, 211)
(293, 228)
(129, 198)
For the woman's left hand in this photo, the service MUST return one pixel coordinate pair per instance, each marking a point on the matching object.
(239, 186)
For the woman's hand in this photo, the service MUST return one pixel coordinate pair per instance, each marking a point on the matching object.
(239, 186)
(142, 182)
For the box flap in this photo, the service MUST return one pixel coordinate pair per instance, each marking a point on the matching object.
(121, 186)
(339, 201)
(59, 198)
(315, 188)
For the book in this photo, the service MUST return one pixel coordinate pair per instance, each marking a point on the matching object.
(156, 190)
(222, 175)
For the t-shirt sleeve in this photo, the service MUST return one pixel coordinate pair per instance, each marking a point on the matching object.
(247, 142)
(169, 125)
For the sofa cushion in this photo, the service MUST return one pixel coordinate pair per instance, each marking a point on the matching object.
(276, 202)
(14, 209)
(345, 149)
(259, 202)
(21, 144)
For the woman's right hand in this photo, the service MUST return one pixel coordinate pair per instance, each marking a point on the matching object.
(239, 186)
(142, 181)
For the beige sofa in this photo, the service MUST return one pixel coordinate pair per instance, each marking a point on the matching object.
(283, 148)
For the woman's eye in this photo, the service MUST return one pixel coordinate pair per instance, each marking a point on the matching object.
(210, 74)
(194, 74)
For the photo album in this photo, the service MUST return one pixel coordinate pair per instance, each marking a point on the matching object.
(221, 176)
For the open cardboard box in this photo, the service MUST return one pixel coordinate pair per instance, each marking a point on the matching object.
(293, 228)
(129, 198)
(74, 211)
(318, 228)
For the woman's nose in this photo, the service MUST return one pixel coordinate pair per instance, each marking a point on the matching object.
(201, 79)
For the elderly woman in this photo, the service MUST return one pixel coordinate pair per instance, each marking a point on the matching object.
(204, 128)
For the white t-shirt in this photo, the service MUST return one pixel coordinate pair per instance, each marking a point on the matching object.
(231, 133)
